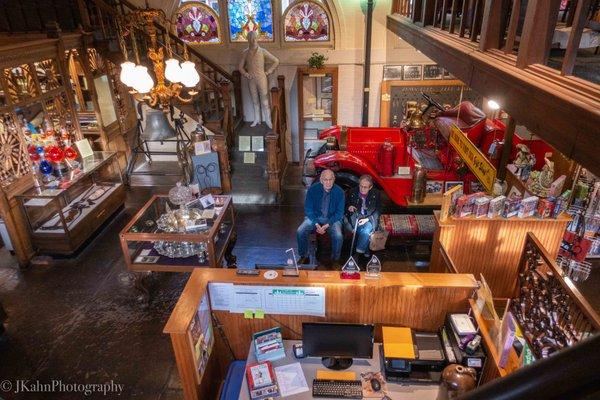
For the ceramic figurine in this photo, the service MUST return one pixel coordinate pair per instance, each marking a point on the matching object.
(524, 159)
(540, 181)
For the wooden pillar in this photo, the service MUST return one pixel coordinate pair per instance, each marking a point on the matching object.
(220, 146)
(579, 22)
(227, 123)
(538, 29)
(509, 132)
(491, 33)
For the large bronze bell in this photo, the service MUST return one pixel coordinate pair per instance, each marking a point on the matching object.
(157, 126)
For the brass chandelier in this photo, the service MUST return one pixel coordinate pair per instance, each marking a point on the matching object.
(180, 76)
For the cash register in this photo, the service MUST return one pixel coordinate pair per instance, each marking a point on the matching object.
(411, 356)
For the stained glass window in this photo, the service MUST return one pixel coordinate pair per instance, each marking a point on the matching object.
(196, 22)
(306, 21)
(250, 15)
(214, 4)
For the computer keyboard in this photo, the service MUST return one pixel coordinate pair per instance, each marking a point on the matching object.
(337, 389)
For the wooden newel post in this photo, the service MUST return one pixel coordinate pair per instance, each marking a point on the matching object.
(220, 146)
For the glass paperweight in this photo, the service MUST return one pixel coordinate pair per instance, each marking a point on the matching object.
(373, 268)
(350, 270)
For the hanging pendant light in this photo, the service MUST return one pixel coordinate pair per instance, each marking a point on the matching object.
(173, 71)
(127, 75)
(190, 77)
(143, 82)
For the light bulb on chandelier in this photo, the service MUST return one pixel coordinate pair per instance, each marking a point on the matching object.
(173, 71)
(190, 77)
(143, 82)
(127, 75)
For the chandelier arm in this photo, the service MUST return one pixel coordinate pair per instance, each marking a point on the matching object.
(183, 99)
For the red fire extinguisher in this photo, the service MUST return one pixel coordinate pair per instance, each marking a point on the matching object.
(386, 158)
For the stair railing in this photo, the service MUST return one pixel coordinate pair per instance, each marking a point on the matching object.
(218, 88)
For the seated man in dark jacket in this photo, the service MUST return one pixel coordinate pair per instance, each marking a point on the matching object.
(362, 210)
(323, 212)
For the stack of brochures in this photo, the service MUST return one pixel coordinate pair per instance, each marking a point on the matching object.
(268, 345)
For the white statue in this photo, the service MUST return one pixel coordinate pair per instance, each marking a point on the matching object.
(252, 66)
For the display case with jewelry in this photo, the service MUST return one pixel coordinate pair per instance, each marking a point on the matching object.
(179, 232)
(71, 197)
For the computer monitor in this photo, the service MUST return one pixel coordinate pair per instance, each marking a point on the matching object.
(337, 343)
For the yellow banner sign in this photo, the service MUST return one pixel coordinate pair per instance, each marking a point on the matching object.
(473, 157)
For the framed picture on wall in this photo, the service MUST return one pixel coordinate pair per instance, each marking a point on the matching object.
(392, 72)
(412, 72)
(433, 71)
(434, 187)
(450, 184)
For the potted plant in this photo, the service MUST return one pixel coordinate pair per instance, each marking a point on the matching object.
(317, 61)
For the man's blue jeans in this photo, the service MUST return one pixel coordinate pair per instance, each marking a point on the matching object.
(334, 230)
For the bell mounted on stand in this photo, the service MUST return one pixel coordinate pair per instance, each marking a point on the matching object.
(157, 127)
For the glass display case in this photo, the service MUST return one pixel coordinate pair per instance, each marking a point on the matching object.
(317, 99)
(165, 237)
(63, 214)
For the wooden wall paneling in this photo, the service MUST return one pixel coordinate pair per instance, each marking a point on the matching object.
(538, 29)
(580, 20)
(492, 246)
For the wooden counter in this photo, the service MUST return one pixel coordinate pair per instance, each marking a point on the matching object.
(418, 300)
(492, 246)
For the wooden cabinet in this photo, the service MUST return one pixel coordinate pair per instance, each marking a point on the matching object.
(62, 218)
(151, 242)
(317, 105)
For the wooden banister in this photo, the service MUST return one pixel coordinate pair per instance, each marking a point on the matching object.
(275, 140)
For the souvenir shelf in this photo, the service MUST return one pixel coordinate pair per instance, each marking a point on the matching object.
(62, 218)
(317, 100)
(152, 242)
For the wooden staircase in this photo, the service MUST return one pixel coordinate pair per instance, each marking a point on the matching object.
(219, 102)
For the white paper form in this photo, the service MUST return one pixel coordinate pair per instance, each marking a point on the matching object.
(246, 297)
(221, 295)
(291, 379)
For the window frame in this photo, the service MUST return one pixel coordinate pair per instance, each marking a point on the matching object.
(206, 7)
(312, 43)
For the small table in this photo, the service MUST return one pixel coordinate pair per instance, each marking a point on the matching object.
(310, 365)
(141, 237)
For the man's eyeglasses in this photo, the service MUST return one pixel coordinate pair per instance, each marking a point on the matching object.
(365, 187)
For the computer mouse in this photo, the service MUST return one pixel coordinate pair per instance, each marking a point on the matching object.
(375, 385)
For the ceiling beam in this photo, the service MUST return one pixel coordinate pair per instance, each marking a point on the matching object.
(564, 111)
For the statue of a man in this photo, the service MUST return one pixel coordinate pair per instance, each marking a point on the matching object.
(252, 66)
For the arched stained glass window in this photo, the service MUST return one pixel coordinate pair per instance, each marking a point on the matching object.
(306, 21)
(196, 22)
(214, 4)
(250, 15)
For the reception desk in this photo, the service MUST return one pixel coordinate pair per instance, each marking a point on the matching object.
(417, 300)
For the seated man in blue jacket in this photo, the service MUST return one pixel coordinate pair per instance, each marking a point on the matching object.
(323, 212)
